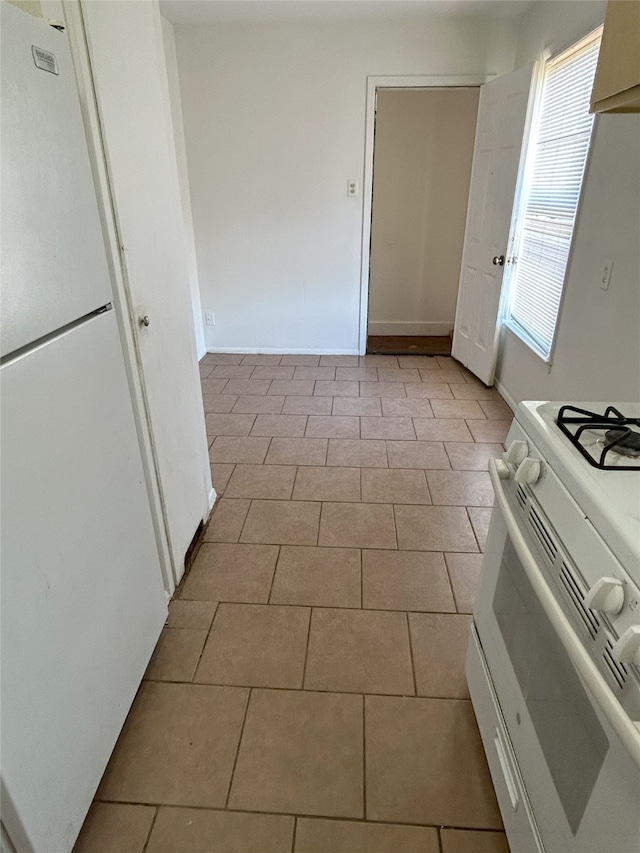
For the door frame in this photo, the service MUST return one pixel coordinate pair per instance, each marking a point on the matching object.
(448, 81)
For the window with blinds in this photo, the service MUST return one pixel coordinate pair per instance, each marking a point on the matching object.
(554, 168)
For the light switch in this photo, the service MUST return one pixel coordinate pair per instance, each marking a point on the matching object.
(209, 318)
(353, 189)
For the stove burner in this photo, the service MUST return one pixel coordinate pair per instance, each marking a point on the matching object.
(626, 442)
(619, 438)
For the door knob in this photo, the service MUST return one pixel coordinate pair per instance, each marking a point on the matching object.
(498, 261)
(144, 321)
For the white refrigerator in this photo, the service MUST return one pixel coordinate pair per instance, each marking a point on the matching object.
(83, 600)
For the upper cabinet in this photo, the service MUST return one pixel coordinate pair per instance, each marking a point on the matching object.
(617, 84)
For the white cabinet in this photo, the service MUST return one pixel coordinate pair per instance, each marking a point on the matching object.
(617, 84)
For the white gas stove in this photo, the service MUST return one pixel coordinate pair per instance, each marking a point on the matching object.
(554, 659)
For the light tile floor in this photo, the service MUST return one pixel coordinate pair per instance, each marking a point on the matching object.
(308, 692)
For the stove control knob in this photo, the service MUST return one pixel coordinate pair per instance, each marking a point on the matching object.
(516, 452)
(504, 472)
(627, 649)
(528, 471)
(607, 595)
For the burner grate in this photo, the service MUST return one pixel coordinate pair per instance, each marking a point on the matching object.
(619, 438)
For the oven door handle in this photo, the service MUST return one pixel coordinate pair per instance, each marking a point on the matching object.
(627, 729)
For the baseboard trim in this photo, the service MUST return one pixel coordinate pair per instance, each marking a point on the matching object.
(435, 329)
(281, 351)
(506, 396)
(213, 496)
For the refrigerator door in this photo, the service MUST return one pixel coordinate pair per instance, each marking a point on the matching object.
(83, 602)
(54, 266)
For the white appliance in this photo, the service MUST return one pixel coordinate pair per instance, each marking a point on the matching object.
(553, 662)
(82, 595)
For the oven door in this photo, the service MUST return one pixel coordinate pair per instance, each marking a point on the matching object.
(581, 780)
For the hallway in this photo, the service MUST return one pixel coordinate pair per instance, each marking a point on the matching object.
(308, 691)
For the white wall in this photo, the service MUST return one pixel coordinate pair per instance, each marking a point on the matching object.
(422, 168)
(177, 126)
(553, 25)
(274, 125)
(33, 7)
(597, 356)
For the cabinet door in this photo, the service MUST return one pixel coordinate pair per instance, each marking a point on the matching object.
(617, 83)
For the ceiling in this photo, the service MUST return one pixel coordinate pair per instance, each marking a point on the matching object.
(255, 11)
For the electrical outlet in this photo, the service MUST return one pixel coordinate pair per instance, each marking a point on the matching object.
(209, 318)
(605, 277)
(353, 189)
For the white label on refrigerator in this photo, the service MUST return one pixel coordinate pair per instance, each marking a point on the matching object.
(44, 60)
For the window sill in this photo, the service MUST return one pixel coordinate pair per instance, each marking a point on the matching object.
(519, 333)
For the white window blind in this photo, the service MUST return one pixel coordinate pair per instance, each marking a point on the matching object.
(554, 169)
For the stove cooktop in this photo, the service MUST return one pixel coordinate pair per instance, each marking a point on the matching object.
(609, 496)
(609, 439)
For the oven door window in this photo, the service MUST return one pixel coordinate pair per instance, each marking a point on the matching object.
(567, 728)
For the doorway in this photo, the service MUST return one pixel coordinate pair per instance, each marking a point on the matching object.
(421, 168)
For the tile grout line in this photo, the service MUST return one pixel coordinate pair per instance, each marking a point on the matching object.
(364, 758)
(295, 480)
(395, 528)
(264, 458)
(473, 530)
(244, 522)
(206, 640)
(413, 664)
(446, 567)
(426, 479)
(298, 815)
(352, 503)
(153, 823)
(306, 650)
(332, 606)
(413, 427)
(295, 832)
(235, 761)
(360, 550)
(273, 576)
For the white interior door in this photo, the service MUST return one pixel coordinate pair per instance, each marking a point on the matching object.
(127, 61)
(502, 116)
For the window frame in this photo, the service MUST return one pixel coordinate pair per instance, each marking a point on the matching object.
(527, 166)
